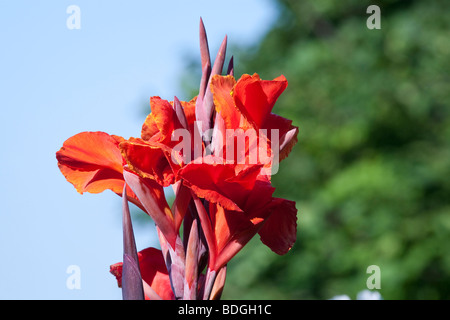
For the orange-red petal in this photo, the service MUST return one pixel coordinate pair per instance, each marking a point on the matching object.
(92, 162)
(162, 119)
(222, 89)
(149, 160)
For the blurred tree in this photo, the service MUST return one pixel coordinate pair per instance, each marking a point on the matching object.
(371, 170)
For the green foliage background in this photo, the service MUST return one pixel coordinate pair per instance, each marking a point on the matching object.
(370, 173)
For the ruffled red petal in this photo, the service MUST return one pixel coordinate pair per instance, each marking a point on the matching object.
(162, 120)
(149, 160)
(92, 162)
(220, 183)
(279, 232)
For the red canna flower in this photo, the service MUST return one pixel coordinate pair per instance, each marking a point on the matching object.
(217, 151)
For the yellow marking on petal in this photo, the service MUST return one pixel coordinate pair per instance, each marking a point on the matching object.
(168, 213)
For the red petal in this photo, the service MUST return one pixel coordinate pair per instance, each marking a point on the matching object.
(232, 232)
(279, 232)
(255, 98)
(260, 197)
(162, 119)
(148, 160)
(219, 183)
(287, 133)
(227, 225)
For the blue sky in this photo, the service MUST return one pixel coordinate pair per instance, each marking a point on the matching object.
(56, 82)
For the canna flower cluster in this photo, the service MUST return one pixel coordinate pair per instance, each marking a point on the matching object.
(218, 152)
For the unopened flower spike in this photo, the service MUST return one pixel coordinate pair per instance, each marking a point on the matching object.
(132, 288)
